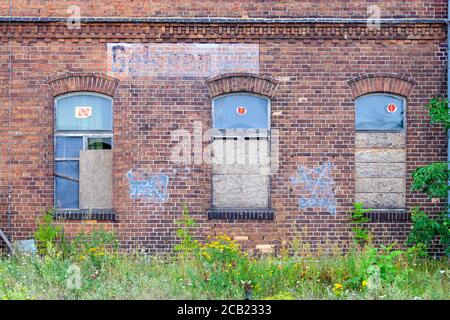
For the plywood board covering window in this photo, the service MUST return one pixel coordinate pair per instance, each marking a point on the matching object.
(96, 179)
(240, 173)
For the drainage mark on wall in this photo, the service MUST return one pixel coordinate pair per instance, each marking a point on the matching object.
(151, 187)
(315, 187)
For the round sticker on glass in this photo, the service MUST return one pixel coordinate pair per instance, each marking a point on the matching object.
(391, 108)
(241, 111)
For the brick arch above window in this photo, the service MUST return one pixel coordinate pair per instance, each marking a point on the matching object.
(241, 82)
(381, 83)
(83, 82)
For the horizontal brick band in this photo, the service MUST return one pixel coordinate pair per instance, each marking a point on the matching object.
(388, 83)
(241, 82)
(287, 20)
(83, 82)
(94, 214)
(241, 214)
(160, 32)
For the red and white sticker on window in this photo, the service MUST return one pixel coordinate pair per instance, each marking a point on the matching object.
(391, 108)
(241, 110)
(83, 112)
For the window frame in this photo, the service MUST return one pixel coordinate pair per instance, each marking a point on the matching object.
(84, 134)
(244, 133)
(405, 109)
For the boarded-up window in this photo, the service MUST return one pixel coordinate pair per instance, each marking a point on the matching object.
(83, 161)
(241, 152)
(380, 151)
(96, 179)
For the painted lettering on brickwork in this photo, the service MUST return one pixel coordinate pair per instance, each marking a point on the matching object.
(315, 187)
(152, 187)
(181, 59)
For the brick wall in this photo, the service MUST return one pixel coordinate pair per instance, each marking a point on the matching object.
(229, 8)
(312, 107)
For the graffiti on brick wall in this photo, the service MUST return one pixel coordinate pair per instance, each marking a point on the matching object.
(151, 187)
(181, 59)
(155, 186)
(315, 187)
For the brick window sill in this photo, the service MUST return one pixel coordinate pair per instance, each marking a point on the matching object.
(85, 214)
(389, 215)
(241, 214)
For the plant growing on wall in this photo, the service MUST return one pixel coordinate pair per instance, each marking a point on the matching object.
(359, 218)
(438, 109)
(49, 236)
(433, 181)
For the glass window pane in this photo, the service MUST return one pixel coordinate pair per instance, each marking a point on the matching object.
(241, 111)
(99, 143)
(68, 147)
(84, 112)
(68, 168)
(67, 190)
(379, 112)
(66, 194)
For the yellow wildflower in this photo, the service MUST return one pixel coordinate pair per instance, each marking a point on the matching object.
(364, 283)
(337, 289)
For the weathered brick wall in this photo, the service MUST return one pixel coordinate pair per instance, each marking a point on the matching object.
(229, 8)
(313, 110)
(4, 92)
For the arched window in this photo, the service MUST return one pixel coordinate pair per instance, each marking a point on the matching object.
(241, 111)
(83, 122)
(241, 152)
(380, 112)
(380, 151)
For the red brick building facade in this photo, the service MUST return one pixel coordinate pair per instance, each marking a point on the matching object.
(162, 64)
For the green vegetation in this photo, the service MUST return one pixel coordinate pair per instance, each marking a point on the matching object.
(360, 232)
(92, 267)
(433, 180)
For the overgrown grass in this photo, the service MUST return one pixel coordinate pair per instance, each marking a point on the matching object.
(106, 274)
(92, 267)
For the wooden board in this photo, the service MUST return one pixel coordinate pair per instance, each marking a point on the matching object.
(96, 179)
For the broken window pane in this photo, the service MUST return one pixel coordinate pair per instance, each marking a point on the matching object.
(380, 112)
(99, 144)
(67, 186)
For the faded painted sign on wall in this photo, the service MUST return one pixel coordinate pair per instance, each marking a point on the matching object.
(152, 187)
(315, 187)
(181, 59)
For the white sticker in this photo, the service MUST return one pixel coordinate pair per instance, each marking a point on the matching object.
(83, 112)
(391, 108)
(241, 110)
